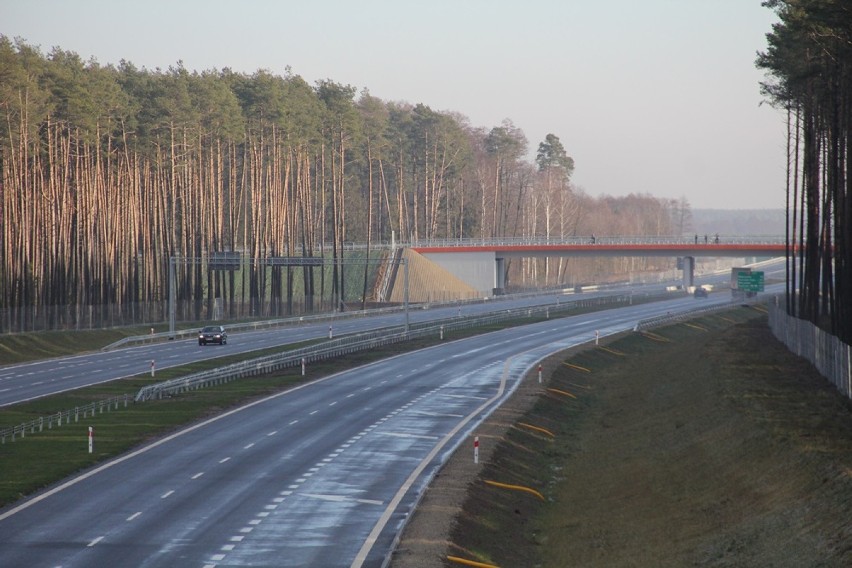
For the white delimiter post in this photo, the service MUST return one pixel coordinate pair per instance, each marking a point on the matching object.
(91, 438)
(476, 449)
(303, 366)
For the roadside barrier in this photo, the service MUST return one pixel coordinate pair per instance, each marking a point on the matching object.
(828, 354)
(301, 357)
(64, 417)
(359, 342)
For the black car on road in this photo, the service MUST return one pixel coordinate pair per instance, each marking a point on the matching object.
(213, 334)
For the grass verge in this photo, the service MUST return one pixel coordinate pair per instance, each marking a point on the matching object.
(704, 443)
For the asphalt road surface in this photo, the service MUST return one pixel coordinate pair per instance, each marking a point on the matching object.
(322, 475)
(36, 379)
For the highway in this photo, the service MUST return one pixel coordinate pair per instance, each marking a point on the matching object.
(36, 379)
(322, 475)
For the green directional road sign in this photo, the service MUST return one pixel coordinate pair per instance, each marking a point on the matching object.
(750, 281)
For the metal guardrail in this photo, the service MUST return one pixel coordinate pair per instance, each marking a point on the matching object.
(250, 326)
(326, 350)
(363, 341)
(64, 417)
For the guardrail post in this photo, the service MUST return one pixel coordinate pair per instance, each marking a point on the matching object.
(152, 367)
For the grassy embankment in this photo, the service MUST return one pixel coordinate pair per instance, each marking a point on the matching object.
(705, 443)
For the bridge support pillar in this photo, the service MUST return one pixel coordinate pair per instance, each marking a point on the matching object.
(500, 275)
(688, 272)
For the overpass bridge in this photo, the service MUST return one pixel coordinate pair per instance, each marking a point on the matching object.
(481, 262)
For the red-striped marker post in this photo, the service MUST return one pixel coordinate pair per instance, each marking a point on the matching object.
(476, 449)
(91, 439)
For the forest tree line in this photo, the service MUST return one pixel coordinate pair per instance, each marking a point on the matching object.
(108, 171)
(809, 60)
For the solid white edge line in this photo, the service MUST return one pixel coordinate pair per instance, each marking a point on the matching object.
(361, 557)
(116, 461)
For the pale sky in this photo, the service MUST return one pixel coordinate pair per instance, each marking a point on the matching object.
(656, 97)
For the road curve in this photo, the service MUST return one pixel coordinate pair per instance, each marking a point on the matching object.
(324, 474)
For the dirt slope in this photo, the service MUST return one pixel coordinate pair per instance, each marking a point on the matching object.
(707, 444)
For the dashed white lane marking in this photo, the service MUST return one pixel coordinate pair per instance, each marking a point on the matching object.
(342, 498)
(197, 475)
(332, 403)
(223, 460)
(464, 396)
(437, 414)
(406, 435)
(272, 433)
(350, 395)
(314, 412)
(248, 446)
(166, 494)
(134, 515)
(292, 422)
(96, 541)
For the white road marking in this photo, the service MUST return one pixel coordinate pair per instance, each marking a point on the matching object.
(272, 433)
(292, 422)
(437, 414)
(223, 460)
(166, 494)
(342, 499)
(248, 446)
(197, 475)
(134, 515)
(405, 435)
(94, 542)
